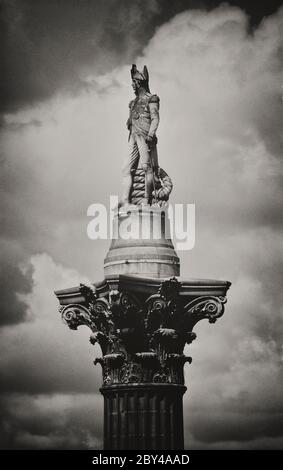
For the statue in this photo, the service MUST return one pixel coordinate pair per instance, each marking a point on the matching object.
(144, 183)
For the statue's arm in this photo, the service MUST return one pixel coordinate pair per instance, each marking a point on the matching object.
(154, 115)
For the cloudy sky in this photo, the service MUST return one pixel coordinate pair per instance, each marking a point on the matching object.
(65, 87)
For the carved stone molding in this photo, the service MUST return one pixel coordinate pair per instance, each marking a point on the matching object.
(75, 315)
(142, 337)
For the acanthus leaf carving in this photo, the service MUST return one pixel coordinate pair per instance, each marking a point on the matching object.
(170, 288)
(102, 316)
(163, 307)
(104, 341)
(142, 341)
(88, 292)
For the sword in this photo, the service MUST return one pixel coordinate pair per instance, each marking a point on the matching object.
(150, 157)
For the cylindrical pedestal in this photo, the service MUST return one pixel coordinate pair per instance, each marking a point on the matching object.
(143, 416)
(141, 244)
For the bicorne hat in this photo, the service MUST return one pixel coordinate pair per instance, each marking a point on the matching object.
(142, 76)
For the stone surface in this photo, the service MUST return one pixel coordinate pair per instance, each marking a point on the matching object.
(144, 417)
(142, 325)
(141, 244)
(143, 180)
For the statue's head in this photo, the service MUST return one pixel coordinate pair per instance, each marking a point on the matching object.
(139, 79)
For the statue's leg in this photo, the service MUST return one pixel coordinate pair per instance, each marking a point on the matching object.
(145, 163)
(129, 169)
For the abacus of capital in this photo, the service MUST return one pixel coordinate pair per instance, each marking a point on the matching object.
(143, 313)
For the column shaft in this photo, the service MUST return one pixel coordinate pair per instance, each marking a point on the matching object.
(142, 416)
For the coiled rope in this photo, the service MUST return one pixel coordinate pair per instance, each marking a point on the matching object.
(163, 187)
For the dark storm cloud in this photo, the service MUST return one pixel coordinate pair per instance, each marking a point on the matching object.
(238, 427)
(44, 395)
(235, 430)
(47, 47)
(50, 422)
(13, 282)
(30, 372)
(15, 227)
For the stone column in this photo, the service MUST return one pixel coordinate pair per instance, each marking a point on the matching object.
(143, 314)
(142, 325)
(143, 416)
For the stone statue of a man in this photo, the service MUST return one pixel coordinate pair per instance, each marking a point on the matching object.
(142, 124)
